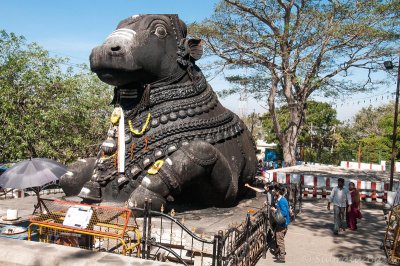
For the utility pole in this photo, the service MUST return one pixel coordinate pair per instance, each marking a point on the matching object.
(389, 65)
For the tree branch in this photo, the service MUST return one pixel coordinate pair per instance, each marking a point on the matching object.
(272, 108)
(265, 20)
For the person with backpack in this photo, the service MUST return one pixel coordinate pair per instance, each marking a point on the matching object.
(282, 218)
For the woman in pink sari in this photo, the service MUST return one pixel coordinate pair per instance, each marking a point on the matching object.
(353, 211)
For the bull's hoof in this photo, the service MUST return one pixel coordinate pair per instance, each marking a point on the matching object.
(141, 194)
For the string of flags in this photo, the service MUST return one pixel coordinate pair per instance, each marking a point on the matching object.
(386, 96)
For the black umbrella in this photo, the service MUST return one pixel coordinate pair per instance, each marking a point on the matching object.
(32, 173)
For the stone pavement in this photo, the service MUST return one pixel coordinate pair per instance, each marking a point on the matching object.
(310, 239)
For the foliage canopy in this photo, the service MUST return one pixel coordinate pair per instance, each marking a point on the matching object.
(47, 110)
(294, 48)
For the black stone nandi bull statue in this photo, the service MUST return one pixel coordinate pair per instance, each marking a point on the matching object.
(169, 136)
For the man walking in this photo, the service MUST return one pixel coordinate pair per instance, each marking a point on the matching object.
(340, 196)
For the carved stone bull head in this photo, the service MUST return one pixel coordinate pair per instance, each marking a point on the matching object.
(145, 49)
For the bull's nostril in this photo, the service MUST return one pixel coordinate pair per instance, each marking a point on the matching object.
(115, 48)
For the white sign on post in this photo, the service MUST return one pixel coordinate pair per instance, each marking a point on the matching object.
(78, 216)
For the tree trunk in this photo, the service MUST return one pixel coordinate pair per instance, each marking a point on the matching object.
(288, 138)
(286, 134)
(289, 143)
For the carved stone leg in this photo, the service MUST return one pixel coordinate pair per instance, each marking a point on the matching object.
(78, 174)
(197, 161)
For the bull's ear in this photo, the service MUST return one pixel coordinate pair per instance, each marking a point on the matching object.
(196, 48)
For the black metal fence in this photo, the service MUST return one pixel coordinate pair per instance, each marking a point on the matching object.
(245, 244)
(164, 237)
(7, 193)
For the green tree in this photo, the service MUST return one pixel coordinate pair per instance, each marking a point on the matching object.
(373, 129)
(253, 123)
(296, 48)
(369, 121)
(319, 136)
(47, 110)
(375, 148)
(347, 143)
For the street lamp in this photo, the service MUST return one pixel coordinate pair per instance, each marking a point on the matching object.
(389, 65)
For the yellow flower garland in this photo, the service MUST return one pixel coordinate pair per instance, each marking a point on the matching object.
(143, 128)
(116, 114)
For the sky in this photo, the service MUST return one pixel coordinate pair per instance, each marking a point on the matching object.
(71, 28)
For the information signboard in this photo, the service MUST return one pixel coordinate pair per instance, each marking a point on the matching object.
(78, 216)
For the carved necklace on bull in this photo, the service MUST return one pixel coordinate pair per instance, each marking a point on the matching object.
(117, 131)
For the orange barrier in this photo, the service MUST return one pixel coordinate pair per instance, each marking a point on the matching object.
(92, 227)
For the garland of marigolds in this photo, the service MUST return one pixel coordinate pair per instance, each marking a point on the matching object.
(143, 128)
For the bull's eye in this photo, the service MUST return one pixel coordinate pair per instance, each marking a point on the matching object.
(160, 31)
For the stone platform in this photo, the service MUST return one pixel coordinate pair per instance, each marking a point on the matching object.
(18, 252)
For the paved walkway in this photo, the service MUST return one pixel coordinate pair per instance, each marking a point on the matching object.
(310, 240)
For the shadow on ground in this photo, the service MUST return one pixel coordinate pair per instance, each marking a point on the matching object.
(361, 246)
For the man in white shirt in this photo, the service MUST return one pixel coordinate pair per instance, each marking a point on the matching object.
(340, 196)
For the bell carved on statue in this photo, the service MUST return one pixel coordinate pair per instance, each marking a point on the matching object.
(122, 179)
(109, 146)
(91, 190)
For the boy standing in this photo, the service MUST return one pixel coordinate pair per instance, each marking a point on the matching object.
(282, 205)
